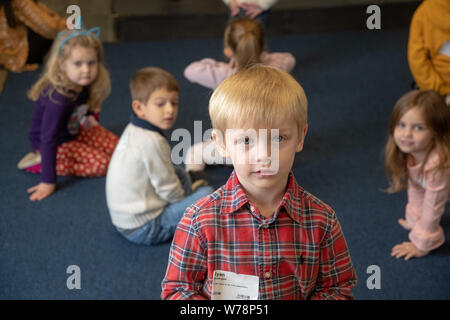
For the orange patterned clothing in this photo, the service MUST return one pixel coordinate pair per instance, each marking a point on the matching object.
(13, 41)
(429, 32)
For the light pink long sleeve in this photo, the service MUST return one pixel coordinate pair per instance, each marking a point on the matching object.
(427, 197)
(210, 73)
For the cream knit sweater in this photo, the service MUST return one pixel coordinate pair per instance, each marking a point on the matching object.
(141, 179)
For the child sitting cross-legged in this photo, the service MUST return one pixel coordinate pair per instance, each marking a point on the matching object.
(261, 225)
(146, 194)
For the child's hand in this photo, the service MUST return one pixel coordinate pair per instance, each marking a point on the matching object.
(251, 9)
(408, 250)
(89, 122)
(41, 191)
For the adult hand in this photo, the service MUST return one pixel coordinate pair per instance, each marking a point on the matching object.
(234, 8)
(41, 191)
(251, 9)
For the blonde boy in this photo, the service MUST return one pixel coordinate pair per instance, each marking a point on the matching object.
(261, 223)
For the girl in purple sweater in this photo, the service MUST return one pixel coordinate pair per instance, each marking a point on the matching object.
(65, 134)
(418, 159)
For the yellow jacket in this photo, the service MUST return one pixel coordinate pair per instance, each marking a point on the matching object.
(430, 29)
(14, 42)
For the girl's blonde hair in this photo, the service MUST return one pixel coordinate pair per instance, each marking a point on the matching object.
(261, 95)
(54, 76)
(245, 37)
(437, 119)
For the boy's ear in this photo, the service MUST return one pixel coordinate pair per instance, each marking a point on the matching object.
(217, 137)
(302, 138)
(137, 107)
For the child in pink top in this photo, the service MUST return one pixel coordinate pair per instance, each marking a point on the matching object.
(244, 45)
(418, 158)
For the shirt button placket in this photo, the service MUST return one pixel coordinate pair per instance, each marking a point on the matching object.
(267, 274)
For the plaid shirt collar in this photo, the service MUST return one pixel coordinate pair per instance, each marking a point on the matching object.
(235, 197)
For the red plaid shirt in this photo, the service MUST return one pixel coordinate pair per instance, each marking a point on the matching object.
(298, 253)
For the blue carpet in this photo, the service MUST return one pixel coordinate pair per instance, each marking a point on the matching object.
(352, 80)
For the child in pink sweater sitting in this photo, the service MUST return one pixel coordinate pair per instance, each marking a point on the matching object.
(244, 44)
(418, 158)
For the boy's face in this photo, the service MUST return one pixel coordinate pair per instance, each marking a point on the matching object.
(262, 158)
(160, 110)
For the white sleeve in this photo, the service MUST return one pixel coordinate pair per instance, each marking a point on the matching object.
(266, 4)
(158, 165)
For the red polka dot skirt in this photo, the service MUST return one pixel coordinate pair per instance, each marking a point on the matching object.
(88, 155)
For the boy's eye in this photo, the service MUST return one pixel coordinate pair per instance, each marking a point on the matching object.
(244, 140)
(160, 103)
(278, 139)
(77, 63)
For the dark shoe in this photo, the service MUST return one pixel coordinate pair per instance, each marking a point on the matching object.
(198, 179)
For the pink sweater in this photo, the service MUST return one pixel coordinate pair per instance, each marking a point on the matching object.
(427, 197)
(210, 73)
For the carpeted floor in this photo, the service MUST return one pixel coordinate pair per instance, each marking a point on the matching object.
(352, 80)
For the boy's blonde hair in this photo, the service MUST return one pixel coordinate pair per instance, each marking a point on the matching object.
(437, 119)
(55, 76)
(260, 94)
(245, 37)
(145, 81)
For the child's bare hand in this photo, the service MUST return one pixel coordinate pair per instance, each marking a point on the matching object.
(41, 191)
(408, 250)
(90, 122)
(251, 9)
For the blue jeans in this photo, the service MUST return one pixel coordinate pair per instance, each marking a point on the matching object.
(162, 228)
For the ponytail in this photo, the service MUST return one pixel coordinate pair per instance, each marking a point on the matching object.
(245, 37)
(247, 51)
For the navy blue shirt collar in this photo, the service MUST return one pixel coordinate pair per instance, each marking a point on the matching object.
(141, 123)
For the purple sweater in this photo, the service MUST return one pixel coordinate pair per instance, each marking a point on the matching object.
(50, 127)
